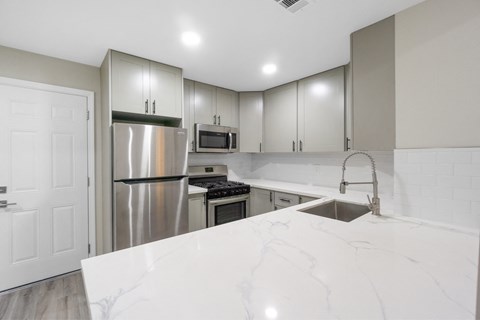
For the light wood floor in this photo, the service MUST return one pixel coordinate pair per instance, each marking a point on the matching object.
(57, 298)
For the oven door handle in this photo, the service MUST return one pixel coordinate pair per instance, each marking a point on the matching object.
(228, 200)
(230, 142)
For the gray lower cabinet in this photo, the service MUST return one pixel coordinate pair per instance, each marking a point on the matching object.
(197, 213)
(285, 200)
(261, 201)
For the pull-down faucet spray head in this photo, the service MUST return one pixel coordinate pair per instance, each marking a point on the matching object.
(342, 187)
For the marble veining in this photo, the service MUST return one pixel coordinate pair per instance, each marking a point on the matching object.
(292, 265)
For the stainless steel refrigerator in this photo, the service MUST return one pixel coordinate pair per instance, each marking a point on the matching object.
(150, 198)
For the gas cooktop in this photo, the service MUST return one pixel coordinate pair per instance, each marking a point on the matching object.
(214, 179)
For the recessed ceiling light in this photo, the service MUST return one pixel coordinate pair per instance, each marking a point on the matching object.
(269, 68)
(190, 38)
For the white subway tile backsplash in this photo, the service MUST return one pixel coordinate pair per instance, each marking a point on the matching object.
(454, 156)
(476, 183)
(421, 157)
(475, 209)
(436, 192)
(454, 182)
(437, 169)
(323, 169)
(422, 180)
(476, 157)
(400, 158)
(467, 170)
(408, 168)
(466, 194)
(438, 184)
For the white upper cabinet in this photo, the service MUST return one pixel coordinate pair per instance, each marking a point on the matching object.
(130, 83)
(321, 112)
(280, 118)
(251, 121)
(166, 90)
(189, 112)
(227, 108)
(145, 87)
(373, 86)
(215, 106)
(205, 103)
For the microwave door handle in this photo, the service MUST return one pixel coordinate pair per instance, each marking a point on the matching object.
(229, 142)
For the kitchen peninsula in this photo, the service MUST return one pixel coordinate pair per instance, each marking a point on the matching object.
(292, 265)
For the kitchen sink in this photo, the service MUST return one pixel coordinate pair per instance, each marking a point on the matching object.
(338, 210)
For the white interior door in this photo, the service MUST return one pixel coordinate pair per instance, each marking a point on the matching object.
(43, 164)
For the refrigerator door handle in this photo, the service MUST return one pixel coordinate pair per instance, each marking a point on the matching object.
(151, 180)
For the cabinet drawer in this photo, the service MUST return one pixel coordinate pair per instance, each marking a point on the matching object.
(286, 199)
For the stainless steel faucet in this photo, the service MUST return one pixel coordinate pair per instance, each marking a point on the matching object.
(375, 202)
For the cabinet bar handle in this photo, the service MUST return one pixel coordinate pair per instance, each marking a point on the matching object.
(301, 146)
(153, 106)
(271, 196)
(193, 145)
(285, 200)
(293, 146)
(215, 119)
(348, 143)
(146, 106)
(219, 120)
(260, 147)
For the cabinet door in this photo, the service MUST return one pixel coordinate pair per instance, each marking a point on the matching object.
(373, 86)
(205, 103)
(251, 121)
(261, 201)
(197, 217)
(227, 108)
(165, 90)
(304, 199)
(321, 112)
(280, 119)
(286, 199)
(130, 83)
(189, 112)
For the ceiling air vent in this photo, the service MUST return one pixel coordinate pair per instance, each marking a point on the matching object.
(292, 5)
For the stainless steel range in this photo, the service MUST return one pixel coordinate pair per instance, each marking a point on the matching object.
(227, 201)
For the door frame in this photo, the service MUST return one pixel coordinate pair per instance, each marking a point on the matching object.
(90, 96)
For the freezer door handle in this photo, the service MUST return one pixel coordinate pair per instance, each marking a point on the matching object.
(151, 180)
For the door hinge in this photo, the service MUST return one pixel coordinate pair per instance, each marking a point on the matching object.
(88, 115)
(89, 248)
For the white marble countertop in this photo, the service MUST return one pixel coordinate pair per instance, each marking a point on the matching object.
(292, 265)
(195, 190)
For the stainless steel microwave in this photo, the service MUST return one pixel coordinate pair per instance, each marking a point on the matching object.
(209, 138)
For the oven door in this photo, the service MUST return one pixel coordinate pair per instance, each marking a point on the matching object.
(228, 209)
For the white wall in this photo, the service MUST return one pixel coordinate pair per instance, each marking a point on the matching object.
(437, 50)
(29, 66)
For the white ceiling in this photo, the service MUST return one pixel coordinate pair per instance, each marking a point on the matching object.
(238, 37)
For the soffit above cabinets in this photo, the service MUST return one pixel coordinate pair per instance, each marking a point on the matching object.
(237, 37)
